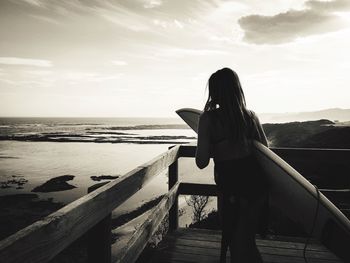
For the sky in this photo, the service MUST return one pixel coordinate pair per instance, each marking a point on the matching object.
(70, 58)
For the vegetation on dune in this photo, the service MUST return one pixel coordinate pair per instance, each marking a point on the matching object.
(308, 134)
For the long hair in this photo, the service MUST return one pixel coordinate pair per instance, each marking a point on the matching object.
(225, 92)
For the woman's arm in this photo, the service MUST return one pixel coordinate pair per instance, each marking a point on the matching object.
(203, 142)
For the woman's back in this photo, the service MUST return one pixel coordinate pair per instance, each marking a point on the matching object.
(224, 145)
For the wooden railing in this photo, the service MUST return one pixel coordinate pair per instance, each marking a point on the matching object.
(91, 214)
(43, 240)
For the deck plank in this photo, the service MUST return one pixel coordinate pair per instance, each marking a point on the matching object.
(197, 245)
(215, 236)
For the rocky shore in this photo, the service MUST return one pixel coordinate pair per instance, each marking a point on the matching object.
(56, 184)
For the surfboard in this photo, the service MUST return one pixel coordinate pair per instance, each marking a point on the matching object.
(296, 197)
(190, 116)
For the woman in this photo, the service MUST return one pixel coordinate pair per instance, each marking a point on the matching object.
(226, 132)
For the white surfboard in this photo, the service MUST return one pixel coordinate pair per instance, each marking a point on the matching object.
(292, 194)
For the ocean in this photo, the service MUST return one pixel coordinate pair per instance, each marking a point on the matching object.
(35, 150)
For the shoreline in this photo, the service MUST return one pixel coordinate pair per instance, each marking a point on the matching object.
(162, 139)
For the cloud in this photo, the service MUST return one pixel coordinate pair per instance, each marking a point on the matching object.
(39, 72)
(119, 63)
(317, 17)
(76, 77)
(329, 6)
(25, 62)
(178, 23)
(47, 19)
(152, 3)
(134, 15)
(37, 3)
(168, 24)
(184, 52)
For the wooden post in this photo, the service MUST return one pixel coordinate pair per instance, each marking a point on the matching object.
(99, 237)
(174, 210)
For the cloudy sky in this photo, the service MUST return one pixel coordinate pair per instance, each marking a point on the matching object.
(151, 57)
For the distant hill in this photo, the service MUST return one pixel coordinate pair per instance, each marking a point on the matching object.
(335, 114)
(309, 134)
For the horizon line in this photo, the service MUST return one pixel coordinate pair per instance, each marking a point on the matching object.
(295, 112)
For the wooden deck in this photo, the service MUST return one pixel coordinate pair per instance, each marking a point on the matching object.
(199, 245)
